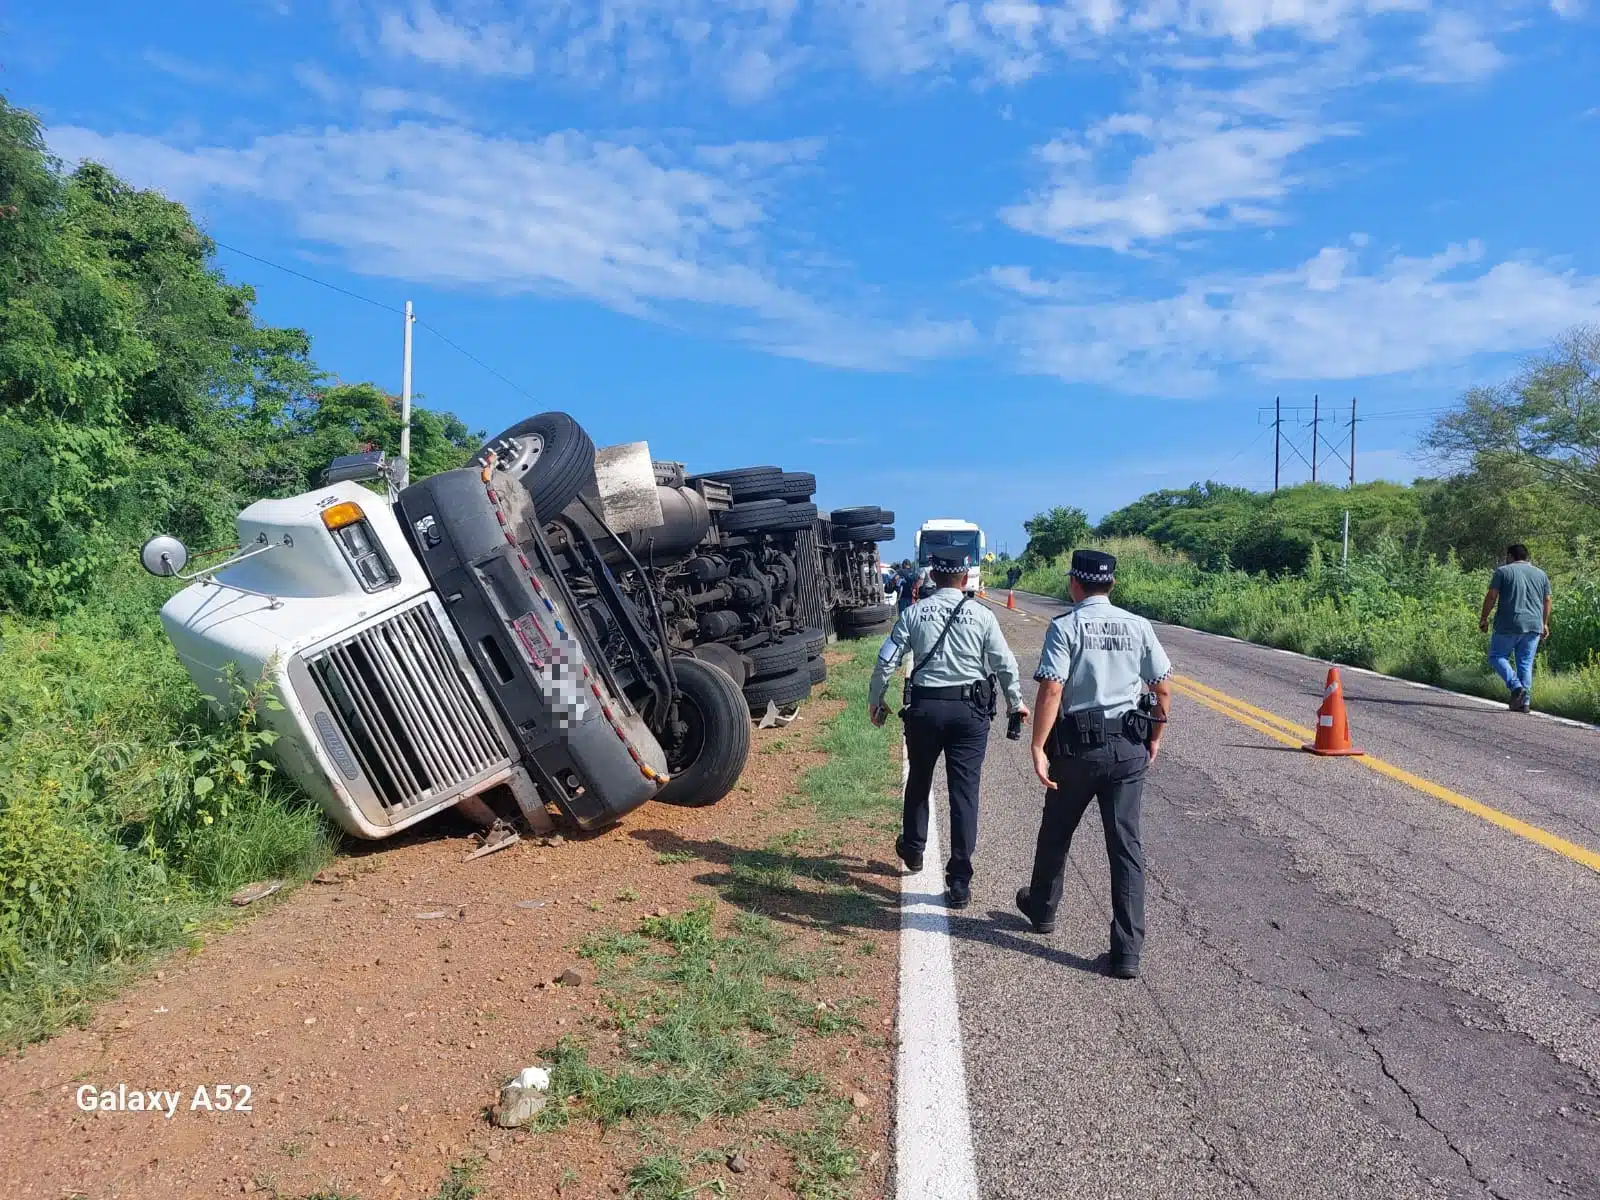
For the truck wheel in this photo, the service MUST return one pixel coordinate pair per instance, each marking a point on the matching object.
(781, 690)
(735, 665)
(767, 516)
(549, 454)
(865, 514)
(790, 485)
(746, 482)
(865, 533)
(818, 669)
(780, 657)
(816, 640)
(707, 761)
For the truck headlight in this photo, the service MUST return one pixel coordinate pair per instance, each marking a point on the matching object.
(349, 527)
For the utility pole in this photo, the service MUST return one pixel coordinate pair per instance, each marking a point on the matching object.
(1277, 440)
(1345, 561)
(1315, 417)
(1352, 441)
(405, 401)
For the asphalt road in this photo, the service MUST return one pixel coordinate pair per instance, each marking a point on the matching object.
(1352, 987)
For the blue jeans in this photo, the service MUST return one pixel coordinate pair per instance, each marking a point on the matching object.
(1503, 648)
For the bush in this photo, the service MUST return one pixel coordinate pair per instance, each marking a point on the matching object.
(1400, 612)
(126, 810)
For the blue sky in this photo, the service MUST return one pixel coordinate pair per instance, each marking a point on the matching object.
(959, 259)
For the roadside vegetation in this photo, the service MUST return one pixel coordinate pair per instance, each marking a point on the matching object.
(138, 394)
(726, 1025)
(1269, 568)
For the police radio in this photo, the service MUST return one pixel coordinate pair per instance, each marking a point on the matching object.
(1014, 726)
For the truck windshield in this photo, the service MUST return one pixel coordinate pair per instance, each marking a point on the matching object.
(933, 539)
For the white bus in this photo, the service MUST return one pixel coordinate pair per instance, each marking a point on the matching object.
(964, 535)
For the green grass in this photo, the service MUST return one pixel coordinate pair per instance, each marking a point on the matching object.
(1391, 613)
(861, 777)
(458, 1183)
(707, 1022)
(128, 812)
(673, 858)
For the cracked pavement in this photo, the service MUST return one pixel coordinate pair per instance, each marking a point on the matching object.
(1351, 989)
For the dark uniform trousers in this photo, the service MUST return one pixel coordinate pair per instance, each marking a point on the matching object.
(960, 732)
(1113, 773)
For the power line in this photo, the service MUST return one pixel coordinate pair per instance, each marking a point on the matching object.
(389, 308)
(332, 287)
(1215, 471)
(516, 387)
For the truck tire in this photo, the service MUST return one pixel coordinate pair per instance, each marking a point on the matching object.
(867, 614)
(780, 657)
(865, 533)
(865, 514)
(553, 459)
(735, 665)
(745, 482)
(790, 485)
(816, 640)
(714, 749)
(886, 516)
(865, 621)
(782, 690)
(767, 516)
(819, 670)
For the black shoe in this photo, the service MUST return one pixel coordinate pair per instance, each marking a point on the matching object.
(1519, 700)
(1124, 968)
(913, 862)
(957, 895)
(1025, 907)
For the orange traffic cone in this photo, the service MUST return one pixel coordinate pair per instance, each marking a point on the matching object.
(1333, 731)
(1011, 599)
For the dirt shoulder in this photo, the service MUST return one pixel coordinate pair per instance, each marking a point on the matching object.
(737, 970)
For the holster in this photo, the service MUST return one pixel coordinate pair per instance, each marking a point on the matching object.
(1077, 732)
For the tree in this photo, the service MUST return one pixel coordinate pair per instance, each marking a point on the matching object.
(1547, 417)
(138, 390)
(1054, 533)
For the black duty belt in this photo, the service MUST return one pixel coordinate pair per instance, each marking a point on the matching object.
(959, 691)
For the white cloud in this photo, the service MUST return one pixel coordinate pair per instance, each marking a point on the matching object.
(1187, 160)
(751, 47)
(318, 82)
(386, 101)
(1456, 50)
(424, 33)
(1328, 318)
(189, 72)
(564, 215)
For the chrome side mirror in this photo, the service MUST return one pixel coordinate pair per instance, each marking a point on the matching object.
(163, 555)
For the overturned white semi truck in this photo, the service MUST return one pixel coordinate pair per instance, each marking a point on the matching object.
(588, 631)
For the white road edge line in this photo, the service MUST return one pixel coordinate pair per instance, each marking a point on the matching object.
(933, 1131)
(1427, 687)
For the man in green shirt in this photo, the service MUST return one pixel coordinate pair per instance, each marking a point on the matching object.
(1522, 593)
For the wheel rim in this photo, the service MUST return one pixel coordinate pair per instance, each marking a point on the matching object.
(686, 749)
(518, 455)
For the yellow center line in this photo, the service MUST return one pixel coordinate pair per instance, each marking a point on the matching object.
(1290, 734)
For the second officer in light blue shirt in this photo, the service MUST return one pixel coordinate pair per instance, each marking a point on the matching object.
(1093, 740)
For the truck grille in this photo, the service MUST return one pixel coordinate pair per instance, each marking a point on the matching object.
(813, 601)
(402, 704)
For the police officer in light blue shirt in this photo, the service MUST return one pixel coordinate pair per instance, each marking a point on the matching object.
(1093, 738)
(958, 657)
